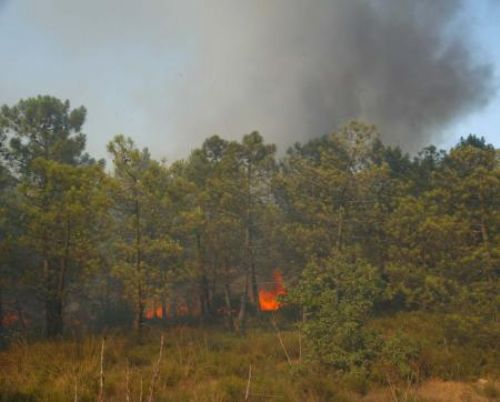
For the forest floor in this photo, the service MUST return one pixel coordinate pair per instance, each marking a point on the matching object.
(210, 364)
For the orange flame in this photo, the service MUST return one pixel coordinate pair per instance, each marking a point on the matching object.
(154, 313)
(10, 319)
(268, 299)
(181, 310)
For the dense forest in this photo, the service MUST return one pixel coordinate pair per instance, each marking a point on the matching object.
(332, 238)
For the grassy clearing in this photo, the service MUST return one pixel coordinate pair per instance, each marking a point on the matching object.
(200, 364)
(197, 365)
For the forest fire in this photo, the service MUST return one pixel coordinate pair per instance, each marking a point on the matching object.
(154, 313)
(180, 310)
(9, 319)
(268, 299)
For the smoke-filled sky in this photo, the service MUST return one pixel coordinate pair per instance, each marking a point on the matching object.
(169, 73)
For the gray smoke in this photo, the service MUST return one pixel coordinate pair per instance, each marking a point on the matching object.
(293, 69)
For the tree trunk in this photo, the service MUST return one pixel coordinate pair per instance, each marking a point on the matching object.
(243, 308)
(54, 318)
(139, 320)
(204, 285)
(255, 289)
(1, 318)
(53, 301)
(227, 298)
(20, 314)
(204, 296)
(228, 316)
(164, 311)
(213, 286)
(53, 304)
(340, 228)
(56, 281)
(173, 309)
(139, 314)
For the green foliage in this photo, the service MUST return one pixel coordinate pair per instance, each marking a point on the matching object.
(146, 252)
(65, 220)
(337, 192)
(337, 295)
(61, 203)
(400, 357)
(360, 231)
(44, 127)
(445, 250)
(447, 346)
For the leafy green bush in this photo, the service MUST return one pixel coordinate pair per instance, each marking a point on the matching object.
(338, 294)
(400, 357)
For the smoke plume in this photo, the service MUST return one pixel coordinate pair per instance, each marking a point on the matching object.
(292, 69)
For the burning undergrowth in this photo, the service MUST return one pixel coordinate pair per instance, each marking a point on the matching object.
(269, 299)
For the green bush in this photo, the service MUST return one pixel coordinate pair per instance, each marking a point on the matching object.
(402, 357)
(338, 293)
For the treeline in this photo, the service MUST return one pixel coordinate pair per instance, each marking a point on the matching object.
(356, 227)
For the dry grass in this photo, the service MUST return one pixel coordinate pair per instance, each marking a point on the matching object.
(199, 365)
(436, 390)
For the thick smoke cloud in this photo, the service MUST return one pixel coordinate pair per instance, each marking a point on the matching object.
(292, 69)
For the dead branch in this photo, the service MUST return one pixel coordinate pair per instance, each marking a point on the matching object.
(247, 393)
(127, 396)
(140, 392)
(156, 371)
(278, 333)
(101, 377)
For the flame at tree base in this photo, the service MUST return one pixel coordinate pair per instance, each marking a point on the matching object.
(170, 311)
(268, 299)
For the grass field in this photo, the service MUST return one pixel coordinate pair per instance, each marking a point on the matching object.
(210, 364)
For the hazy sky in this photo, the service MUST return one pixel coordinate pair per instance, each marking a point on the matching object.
(169, 73)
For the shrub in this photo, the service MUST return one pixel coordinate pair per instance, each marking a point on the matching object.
(401, 355)
(338, 294)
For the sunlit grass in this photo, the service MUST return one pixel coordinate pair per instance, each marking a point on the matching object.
(210, 364)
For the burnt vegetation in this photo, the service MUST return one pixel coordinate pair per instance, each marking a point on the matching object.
(344, 266)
